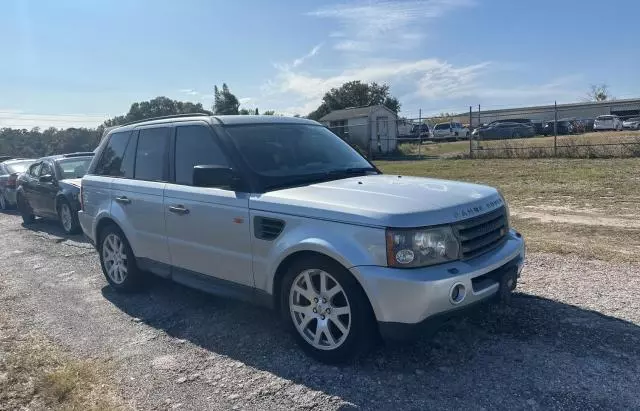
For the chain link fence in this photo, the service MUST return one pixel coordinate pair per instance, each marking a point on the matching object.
(589, 130)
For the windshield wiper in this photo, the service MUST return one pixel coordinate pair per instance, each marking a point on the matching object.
(351, 171)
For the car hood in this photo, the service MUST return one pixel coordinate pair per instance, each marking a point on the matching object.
(72, 182)
(383, 201)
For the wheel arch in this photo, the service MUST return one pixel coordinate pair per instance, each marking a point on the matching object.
(290, 259)
(103, 223)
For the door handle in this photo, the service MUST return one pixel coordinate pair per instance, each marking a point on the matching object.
(179, 209)
(123, 200)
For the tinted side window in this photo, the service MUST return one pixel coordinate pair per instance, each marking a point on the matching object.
(195, 146)
(46, 169)
(152, 154)
(111, 162)
(34, 170)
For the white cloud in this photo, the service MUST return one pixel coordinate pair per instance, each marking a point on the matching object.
(18, 119)
(310, 54)
(427, 78)
(189, 91)
(377, 24)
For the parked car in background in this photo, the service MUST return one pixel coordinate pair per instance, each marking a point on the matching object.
(632, 123)
(9, 171)
(5, 158)
(422, 131)
(607, 122)
(504, 130)
(282, 212)
(449, 131)
(563, 127)
(50, 188)
(578, 126)
(538, 127)
(588, 124)
(526, 121)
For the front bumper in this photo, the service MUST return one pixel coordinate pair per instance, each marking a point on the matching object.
(405, 299)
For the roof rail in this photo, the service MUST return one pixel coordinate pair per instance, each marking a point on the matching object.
(165, 117)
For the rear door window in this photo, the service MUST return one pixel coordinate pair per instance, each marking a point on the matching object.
(112, 162)
(152, 154)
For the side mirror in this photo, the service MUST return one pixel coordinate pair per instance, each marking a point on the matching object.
(215, 176)
(47, 178)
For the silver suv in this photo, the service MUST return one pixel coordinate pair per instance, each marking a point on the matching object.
(281, 212)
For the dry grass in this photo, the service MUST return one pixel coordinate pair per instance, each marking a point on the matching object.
(35, 374)
(557, 187)
(461, 148)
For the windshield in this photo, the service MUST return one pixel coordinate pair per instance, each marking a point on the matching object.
(634, 119)
(19, 167)
(290, 151)
(443, 126)
(604, 118)
(74, 167)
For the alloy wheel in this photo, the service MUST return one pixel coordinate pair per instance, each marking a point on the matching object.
(114, 258)
(66, 217)
(320, 309)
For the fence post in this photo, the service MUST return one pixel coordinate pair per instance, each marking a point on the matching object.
(555, 129)
(470, 136)
(420, 134)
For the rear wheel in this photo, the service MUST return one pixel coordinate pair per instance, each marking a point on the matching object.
(25, 210)
(118, 262)
(4, 205)
(68, 218)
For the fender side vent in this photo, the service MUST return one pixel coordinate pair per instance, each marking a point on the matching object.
(266, 228)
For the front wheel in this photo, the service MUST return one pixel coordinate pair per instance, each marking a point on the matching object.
(25, 210)
(327, 310)
(68, 218)
(118, 262)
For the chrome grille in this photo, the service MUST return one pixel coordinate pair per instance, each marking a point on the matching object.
(481, 234)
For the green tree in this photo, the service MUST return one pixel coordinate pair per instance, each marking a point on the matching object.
(245, 112)
(224, 102)
(257, 113)
(269, 113)
(157, 107)
(355, 94)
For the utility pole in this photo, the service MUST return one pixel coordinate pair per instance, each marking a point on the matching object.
(470, 136)
(420, 133)
(555, 129)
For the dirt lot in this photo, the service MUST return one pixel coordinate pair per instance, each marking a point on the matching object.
(570, 340)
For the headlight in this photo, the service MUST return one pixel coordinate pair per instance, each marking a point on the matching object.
(506, 208)
(421, 247)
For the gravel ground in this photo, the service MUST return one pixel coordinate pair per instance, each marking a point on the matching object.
(570, 340)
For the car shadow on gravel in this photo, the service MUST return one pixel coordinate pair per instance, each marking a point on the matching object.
(512, 350)
(51, 229)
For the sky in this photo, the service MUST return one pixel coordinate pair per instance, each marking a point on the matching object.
(72, 63)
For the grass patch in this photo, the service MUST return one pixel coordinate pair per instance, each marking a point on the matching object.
(538, 144)
(35, 374)
(597, 187)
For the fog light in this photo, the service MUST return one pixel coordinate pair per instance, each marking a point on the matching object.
(404, 256)
(458, 292)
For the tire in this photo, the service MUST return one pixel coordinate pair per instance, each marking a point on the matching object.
(515, 134)
(68, 217)
(114, 250)
(344, 336)
(4, 205)
(25, 210)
